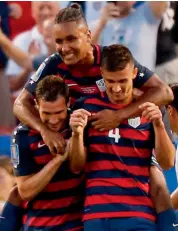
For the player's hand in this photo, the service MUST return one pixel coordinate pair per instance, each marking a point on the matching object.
(110, 10)
(54, 141)
(105, 120)
(152, 113)
(78, 120)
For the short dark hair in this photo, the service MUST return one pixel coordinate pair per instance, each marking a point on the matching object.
(71, 13)
(174, 103)
(116, 57)
(50, 88)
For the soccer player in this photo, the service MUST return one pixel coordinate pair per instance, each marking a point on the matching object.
(173, 118)
(77, 61)
(53, 192)
(118, 160)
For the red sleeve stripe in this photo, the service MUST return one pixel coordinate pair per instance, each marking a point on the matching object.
(131, 200)
(55, 204)
(122, 182)
(120, 151)
(51, 221)
(117, 165)
(119, 214)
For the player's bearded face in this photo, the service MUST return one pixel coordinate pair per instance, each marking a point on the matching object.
(53, 114)
(72, 42)
(119, 85)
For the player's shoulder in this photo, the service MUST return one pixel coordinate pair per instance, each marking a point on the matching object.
(21, 130)
(52, 61)
(47, 67)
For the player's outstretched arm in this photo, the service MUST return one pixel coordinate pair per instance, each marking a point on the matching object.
(164, 148)
(21, 58)
(77, 150)
(31, 185)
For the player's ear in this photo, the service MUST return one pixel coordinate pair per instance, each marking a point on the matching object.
(36, 104)
(88, 36)
(68, 105)
(135, 71)
(170, 110)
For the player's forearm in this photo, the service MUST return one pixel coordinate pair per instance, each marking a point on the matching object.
(97, 31)
(35, 184)
(26, 112)
(164, 148)
(77, 152)
(15, 53)
(174, 199)
(157, 95)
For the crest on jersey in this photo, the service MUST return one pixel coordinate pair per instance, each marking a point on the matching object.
(134, 122)
(101, 85)
(37, 74)
(15, 155)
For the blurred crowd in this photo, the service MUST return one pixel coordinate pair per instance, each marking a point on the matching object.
(148, 29)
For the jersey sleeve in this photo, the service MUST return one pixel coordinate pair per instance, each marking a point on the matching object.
(21, 154)
(47, 67)
(37, 61)
(143, 75)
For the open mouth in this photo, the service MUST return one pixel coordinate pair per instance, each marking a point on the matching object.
(68, 56)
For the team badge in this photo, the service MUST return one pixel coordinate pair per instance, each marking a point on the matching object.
(101, 85)
(134, 122)
(37, 74)
(15, 155)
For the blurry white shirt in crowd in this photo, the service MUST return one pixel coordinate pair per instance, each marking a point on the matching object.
(23, 41)
(93, 9)
(137, 31)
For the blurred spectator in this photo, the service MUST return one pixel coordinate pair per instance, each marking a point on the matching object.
(15, 24)
(7, 179)
(167, 61)
(133, 24)
(175, 29)
(22, 58)
(93, 11)
(30, 42)
(6, 116)
(173, 118)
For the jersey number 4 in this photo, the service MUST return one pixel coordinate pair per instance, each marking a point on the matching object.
(114, 133)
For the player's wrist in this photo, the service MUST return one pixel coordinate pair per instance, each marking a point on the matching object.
(159, 124)
(77, 133)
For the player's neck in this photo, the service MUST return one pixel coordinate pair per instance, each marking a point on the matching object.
(87, 61)
(124, 102)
